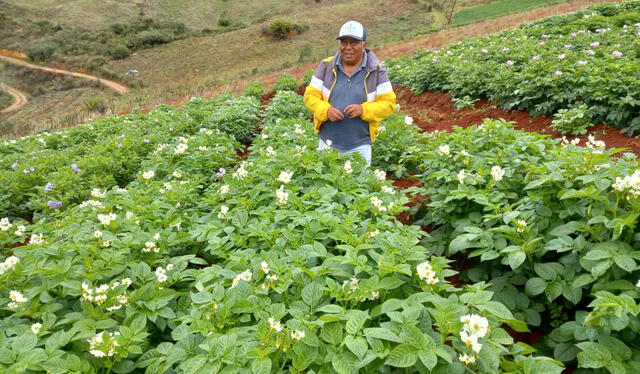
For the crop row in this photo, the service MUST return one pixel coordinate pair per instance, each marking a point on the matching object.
(588, 57)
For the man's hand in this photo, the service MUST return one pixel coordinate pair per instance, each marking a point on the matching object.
(353, 110)
(334, 115)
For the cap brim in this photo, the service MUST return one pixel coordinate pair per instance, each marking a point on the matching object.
(352, 37)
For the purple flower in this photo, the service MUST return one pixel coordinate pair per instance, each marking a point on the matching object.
(568, 46)
(14, 166)
(220, 173)
(147, 141)
(120, 137)
(505, 49)
(75, 168)
(26, 171)
(558, 73)
(595, 44)
(484, 50)
(590, 52)
(49, 187)
(510, 63)
(544, 36)
(582, 62)
(616, 54)
(562, 56)
(54, 204)
(541, 43)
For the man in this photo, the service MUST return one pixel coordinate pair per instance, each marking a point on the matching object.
(349, 95)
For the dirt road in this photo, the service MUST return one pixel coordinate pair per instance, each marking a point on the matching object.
(111, 84)
(19, 98)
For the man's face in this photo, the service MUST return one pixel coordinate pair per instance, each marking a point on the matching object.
(351, 50)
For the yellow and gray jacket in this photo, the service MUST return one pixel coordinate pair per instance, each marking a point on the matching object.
(381, 100)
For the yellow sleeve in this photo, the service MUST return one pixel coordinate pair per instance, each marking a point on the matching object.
(381, 108)
(313, 100)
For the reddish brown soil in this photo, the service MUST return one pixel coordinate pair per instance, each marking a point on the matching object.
(435, 111)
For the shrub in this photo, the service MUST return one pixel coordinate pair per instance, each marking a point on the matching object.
(285, 82)
(42, 50)
(254, 89)
(224, 21)
(95, 104)
(280, 28)
(572, 121)
(118, 51)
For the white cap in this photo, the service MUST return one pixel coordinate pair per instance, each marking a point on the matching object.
(352, 29)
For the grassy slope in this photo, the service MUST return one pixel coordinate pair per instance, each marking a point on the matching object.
(199, 64)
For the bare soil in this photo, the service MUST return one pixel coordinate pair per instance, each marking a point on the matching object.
(436, 111)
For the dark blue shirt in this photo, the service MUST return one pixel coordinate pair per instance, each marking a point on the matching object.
(349, 132)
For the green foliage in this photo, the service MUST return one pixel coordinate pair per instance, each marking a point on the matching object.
(5, 99)
(95, 104)
(237, 117)
(463, 102)
(397, 139)
(119, 51)
(497, 9)
(551, 227)
(286, 105)
(285, 82)
(42, 50)
(117, 41)
(280, 28)
(572, 121)
(254, 89)
(306, 78)
(282, 263)
(544, 67)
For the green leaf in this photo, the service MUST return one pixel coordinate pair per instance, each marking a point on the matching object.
(356, 320)
(356, 345)
(261, 366)
(332, 333)
(509, 216)
(345, 363)
(597, 254)
(497, 309)
(24, 343)
(571, 293)
(549, 270)
(593, 355)
(625, 262)
(382, 333)
(601, 267)
(428, 358)
(391, 305)
(535, 286)
(516, 259)
(462, 242)
(139, 323)
(553, 290)
(565, 352)
(403, 356)
(312, 293)
(193, 364)
(331, 308)
(582, 280)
